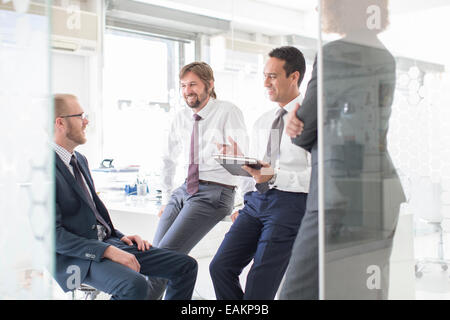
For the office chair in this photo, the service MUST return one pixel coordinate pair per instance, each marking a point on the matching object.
(425, 203)
(89, 292)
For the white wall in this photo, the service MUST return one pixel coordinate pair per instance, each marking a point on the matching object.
(70, 75)
(77, 74)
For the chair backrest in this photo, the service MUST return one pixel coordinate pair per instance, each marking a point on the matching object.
(425, 199)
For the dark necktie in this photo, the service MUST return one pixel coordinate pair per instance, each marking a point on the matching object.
(273, 146)
(82, 185)
(193, 174)
(276, 132)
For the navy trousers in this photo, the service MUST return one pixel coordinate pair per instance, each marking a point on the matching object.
(125, 284)
(264, 231)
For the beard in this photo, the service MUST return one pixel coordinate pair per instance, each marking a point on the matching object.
(76, 135)
(197, 102)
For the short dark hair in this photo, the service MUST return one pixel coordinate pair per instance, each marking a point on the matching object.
(294, 60)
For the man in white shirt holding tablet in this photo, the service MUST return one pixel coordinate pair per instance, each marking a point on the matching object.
(190, 211)
(265, 229)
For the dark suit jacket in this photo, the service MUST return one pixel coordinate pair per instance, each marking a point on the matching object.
(308, 139)
(76, 242)
(358, 89)
(308, 114)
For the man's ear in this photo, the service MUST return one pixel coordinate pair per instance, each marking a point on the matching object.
(59, 123)
(295, 75)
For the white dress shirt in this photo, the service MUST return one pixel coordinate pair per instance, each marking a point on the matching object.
(220, 119)
(293, 167)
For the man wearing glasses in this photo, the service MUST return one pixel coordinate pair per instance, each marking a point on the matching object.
(88, 248)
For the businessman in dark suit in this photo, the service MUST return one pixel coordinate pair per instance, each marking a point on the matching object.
(302, 275)
(88, 248)
(362, 191)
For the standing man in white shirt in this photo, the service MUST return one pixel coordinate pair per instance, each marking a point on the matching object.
(190, 211)
(265, 229)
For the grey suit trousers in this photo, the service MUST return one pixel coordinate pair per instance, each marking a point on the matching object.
(187, 219)
(302, 275)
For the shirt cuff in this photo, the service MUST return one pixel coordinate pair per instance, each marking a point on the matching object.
(96, 253)
(165, 197)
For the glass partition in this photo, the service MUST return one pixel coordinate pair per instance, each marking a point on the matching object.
(383, 173)
(26, 160)
(146, 44)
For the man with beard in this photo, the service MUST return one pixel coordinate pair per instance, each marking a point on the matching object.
(189, 212)
(88, 248)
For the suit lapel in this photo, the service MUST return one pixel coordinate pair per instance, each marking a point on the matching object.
(98, 203)
(85, 173)
(70, 179)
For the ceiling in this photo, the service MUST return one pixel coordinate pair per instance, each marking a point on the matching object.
(397, 6)
(303, 5)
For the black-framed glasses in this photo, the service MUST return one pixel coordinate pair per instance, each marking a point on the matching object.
(82, 116)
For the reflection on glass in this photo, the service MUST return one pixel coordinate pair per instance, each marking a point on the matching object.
(26, 181)
(362, 192)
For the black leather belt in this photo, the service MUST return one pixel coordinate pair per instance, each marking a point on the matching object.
(219, 184)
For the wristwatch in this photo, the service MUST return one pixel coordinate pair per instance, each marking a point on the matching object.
(265, 186)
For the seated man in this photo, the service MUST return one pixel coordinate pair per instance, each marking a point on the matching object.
(88, 248)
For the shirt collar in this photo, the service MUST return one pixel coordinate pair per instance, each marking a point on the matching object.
(62, 153)
(207, 109)
(290, 105)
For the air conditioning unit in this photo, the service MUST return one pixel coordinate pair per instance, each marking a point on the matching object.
(72, 30)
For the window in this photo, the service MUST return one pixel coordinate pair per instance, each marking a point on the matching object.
(140, 94)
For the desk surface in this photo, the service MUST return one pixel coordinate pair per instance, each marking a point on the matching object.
(135, 204)
(139, 204)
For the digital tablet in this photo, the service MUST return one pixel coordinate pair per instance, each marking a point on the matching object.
(233, 164)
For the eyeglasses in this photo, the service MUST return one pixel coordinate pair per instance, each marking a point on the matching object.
(82, 116)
